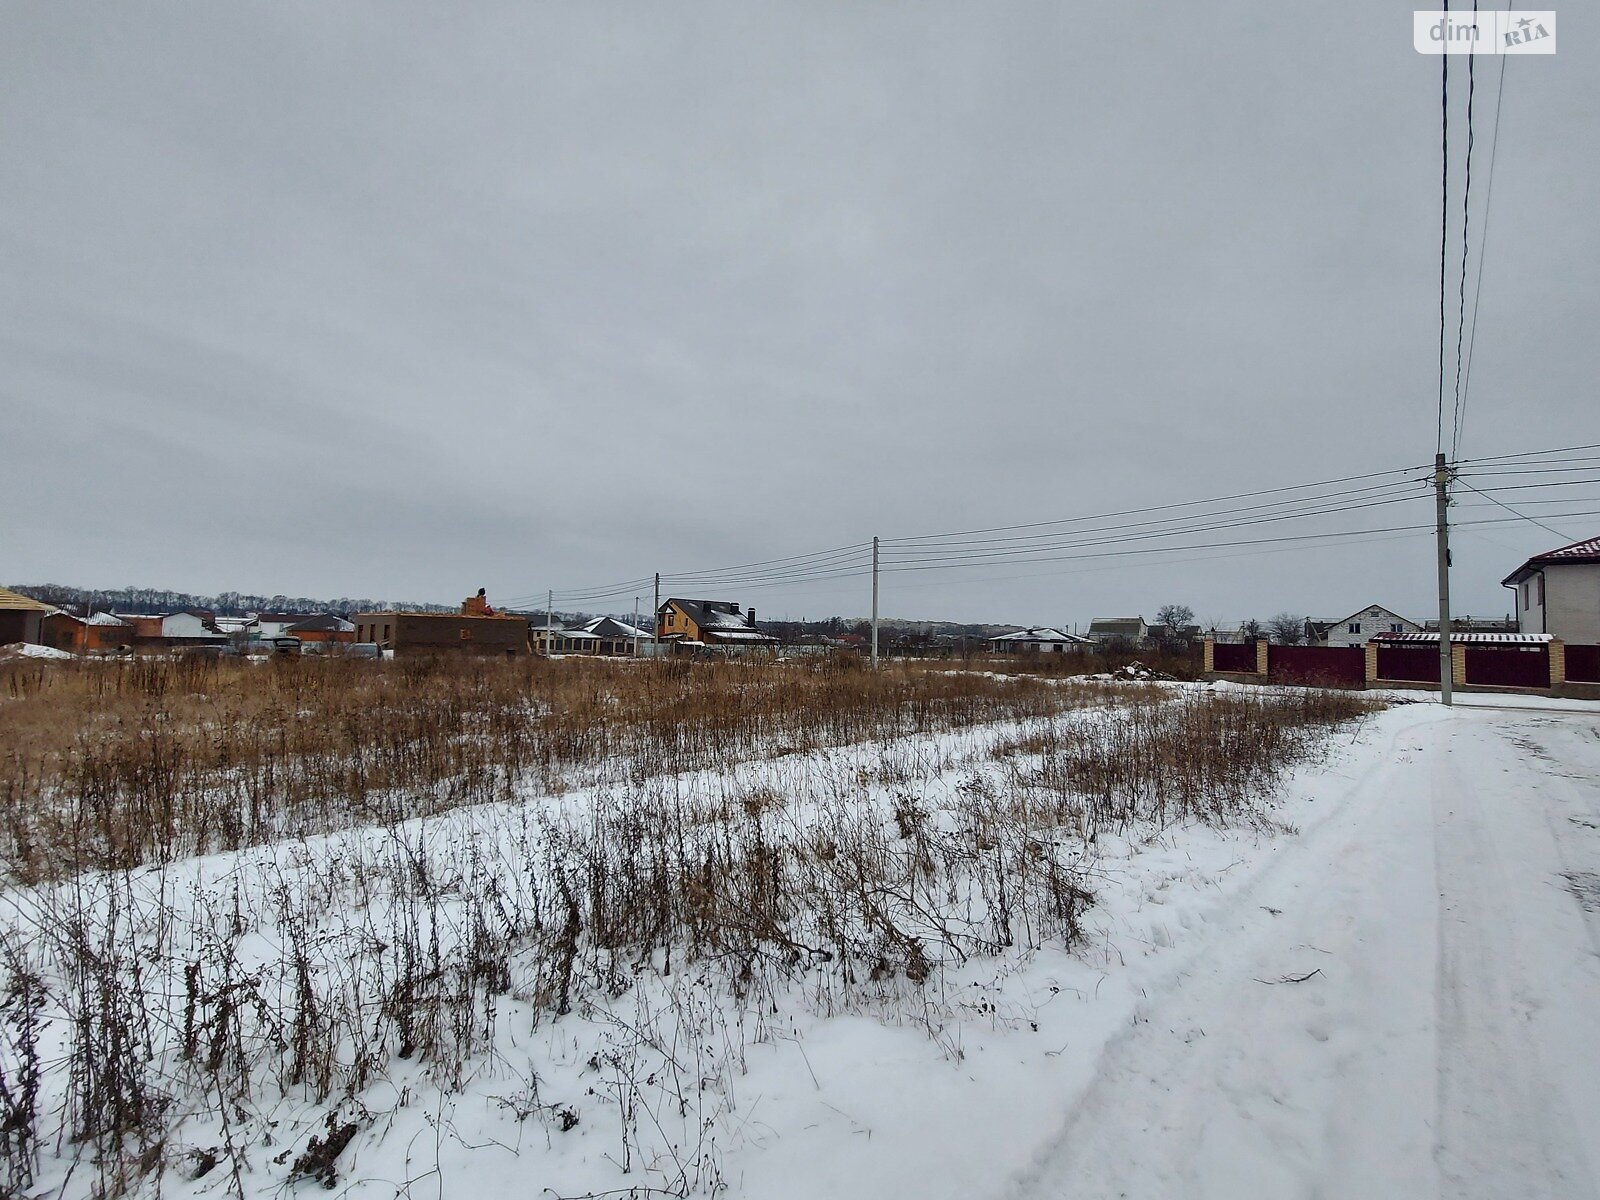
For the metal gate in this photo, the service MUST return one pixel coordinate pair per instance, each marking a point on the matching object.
(1233, 656)
(1583, 664)
(1408, 664)
(1508, 666)
(1327, 666)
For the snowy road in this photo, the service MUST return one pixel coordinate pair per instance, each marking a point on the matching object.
(1404, 1002)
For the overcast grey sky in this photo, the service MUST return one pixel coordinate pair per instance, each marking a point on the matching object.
(402, 299)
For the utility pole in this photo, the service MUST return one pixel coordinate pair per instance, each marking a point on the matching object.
(549, 623)
(636, 627)
(1441, 502)
(874, 603)
(655, 622)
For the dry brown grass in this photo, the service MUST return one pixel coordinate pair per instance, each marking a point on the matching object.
(145, 1010)
(112, 764)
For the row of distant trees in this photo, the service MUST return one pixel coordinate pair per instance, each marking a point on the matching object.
(227, 604)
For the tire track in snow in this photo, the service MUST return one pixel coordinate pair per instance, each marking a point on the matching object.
(1508, 931)
(1404, 1067)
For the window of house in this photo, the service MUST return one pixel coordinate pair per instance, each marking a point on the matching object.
(1524, 593)
(1538, 590)
(1394, 627)
(1355, 626)
(386, 631)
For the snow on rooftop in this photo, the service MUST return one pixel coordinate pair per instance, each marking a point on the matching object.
(1473, 639)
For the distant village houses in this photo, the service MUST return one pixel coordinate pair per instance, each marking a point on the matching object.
(175, 630)
(98, 633)
(476, 630)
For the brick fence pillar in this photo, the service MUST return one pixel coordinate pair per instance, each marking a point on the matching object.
(1370, 650)
(1210, 660)
(1261, 656)
(1558, 663)
(1458, 664)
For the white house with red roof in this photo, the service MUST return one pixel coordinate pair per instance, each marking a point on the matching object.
(1558, 593)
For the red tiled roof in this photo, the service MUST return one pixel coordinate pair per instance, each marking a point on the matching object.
(1589, 548)
(1586, 551)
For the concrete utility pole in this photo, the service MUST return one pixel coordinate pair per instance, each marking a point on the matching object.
(655, 622)
(874, 603)
(549, 620)
(636, 627)
(1441, 502)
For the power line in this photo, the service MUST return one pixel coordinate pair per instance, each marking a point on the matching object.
(1534, 454)
(1282, 540)
(1444, 217)
(1483, 250)
(967, 549)
(958, 540)
(1515, 513)
(1132, 512)
(1466, 220)
(1554, 483)
(1029, 553)
(1524, 472)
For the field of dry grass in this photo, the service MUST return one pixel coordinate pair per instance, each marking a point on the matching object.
(686, 842)
(113, 764)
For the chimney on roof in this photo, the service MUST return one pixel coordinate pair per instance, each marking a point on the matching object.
(752, 618)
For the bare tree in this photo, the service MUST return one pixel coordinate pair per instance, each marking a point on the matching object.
(1287, 629)
(1252, 629)
(1174, 617)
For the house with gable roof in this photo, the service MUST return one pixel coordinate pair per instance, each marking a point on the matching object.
(1358, 628)
(1558, 592)
(97, 632)
(1038, 641)
(1119, 631)
(709, 623)
(20, 617)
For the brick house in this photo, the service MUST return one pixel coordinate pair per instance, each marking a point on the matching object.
(324, 627)
(97, 633)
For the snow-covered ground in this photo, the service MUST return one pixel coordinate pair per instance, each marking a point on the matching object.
(1402, 1000)
(1390, 988)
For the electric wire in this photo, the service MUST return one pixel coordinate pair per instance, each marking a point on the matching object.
(1130, 512)
(958, 540)
(1466, 221)
(1024, 554)
(1284, 539)
(1444, 220)
(1494, 499)
(1483, 250)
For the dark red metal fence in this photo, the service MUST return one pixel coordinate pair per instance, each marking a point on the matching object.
(1509, 666)
(1330, 666)
(1583, 664)
(1408, 664)
(1233, 656)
